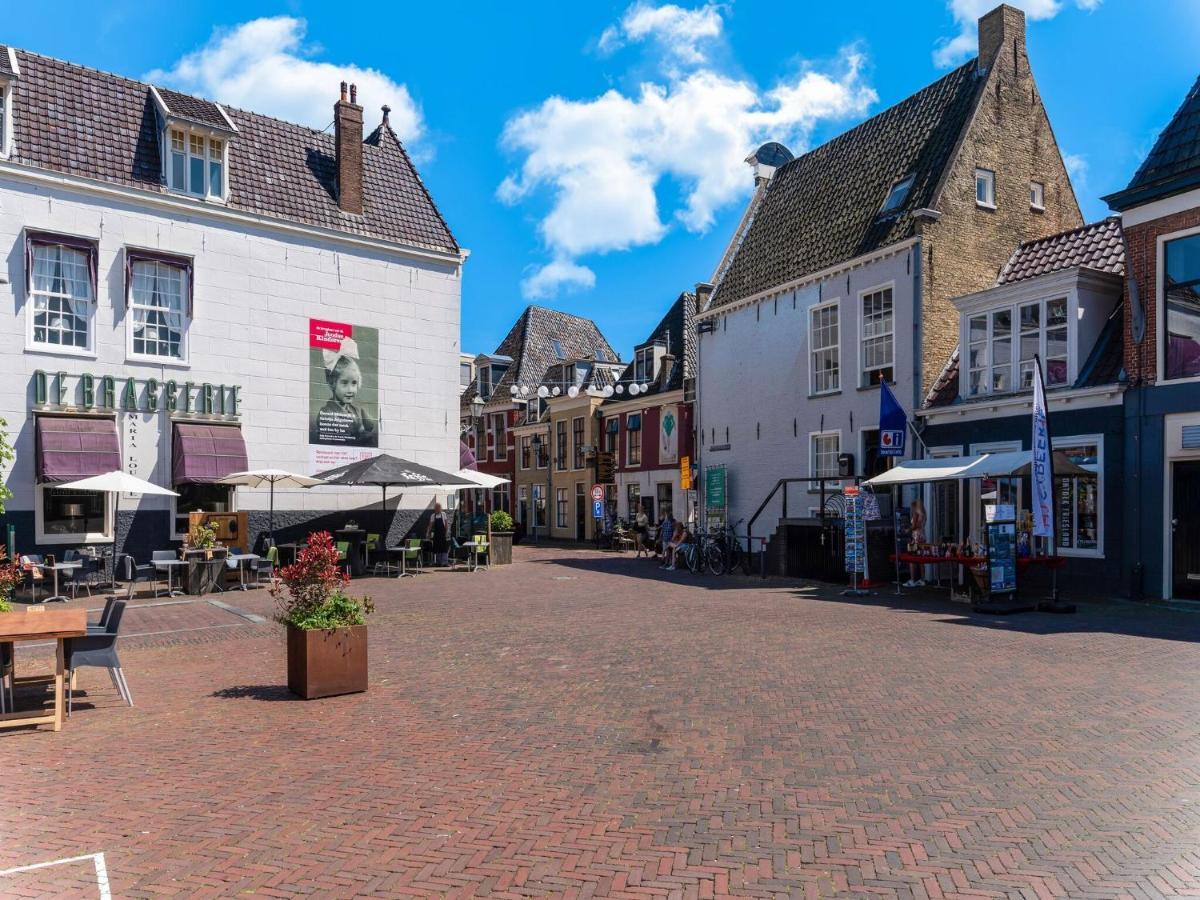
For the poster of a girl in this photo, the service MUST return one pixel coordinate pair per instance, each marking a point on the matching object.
(341, 419)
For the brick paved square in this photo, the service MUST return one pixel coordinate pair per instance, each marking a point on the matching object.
(584, 724)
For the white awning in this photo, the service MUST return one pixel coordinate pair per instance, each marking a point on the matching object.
(479, 479)
(1012, 464)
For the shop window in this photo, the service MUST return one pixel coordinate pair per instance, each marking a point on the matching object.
(1079, 505)
(158, 307)
(1181, 326)
(212, 498)
(826, 356)
(878, 336)
(62, 289)
(666, 499)
(633, 495)
(500, 498)
(69, 516)
(577, 440)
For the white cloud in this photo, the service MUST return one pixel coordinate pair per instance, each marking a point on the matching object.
(951, 51)
(603, 161)
(1077, 168)
(681, 32)
(559, 276)
(262, 65)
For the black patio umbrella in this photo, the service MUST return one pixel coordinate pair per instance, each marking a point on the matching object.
(387, 471)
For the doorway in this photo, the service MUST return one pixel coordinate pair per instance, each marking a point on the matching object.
(1185, 530)
(580, 512)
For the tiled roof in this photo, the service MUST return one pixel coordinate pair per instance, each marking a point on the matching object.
(1096, 246)
(5, 63)
(530, 344)
(1173, 165)
(944, 390)
(822, 208)
(98, 126)
(193, 108)
(677, 331)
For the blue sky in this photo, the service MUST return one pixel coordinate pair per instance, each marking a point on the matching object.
(589, 156)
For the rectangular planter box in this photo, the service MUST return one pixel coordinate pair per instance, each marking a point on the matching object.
(327, 663)
(501, 548)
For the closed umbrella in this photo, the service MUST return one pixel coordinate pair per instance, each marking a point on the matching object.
(117, 482)
(256, 478)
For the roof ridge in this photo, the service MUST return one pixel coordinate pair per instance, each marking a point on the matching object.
(385, 125)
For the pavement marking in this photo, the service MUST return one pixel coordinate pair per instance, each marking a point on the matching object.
(229, 607)
(102, 885)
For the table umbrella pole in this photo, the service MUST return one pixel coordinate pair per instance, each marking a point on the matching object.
(271, 514)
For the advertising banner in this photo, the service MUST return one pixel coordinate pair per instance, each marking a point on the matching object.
(343, 393)
(1042, 481)
(668, 436)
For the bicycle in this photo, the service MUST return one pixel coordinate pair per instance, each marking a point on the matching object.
(703, 554)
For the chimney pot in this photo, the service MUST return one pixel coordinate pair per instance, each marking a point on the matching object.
(386, 110)
(343, 92)
(354, 93)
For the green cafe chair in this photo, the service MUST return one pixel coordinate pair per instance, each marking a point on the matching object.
(343, 552)
(410, 553)
(482, 550)
(371, 545)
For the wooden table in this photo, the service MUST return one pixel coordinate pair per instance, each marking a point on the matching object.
(42, 624)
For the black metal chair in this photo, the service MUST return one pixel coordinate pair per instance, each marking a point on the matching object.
(135, 574)
(98, 649)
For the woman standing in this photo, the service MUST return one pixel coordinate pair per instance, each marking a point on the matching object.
(438, 531)
(916, 517)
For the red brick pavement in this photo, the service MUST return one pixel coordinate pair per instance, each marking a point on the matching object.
(583, 725)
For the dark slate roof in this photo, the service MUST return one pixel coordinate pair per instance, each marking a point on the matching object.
(1098, 246)
(822, 208)
(5, 62)
(193, 109)
(1173, 165)
(530, 345)
(677, 331)
(91, 124)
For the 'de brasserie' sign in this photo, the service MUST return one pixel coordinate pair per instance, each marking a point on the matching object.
(106, 393)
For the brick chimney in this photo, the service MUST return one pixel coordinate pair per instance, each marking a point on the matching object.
(666, 365)
(1003, 29)
(348, 140)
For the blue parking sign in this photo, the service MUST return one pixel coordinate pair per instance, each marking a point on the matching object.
(597, 509)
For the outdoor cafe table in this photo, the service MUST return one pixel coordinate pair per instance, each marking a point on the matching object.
(41, 624)
(56, 568)
(170, 565)
(241, 559)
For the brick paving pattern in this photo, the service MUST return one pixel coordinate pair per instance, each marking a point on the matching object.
(587, 725)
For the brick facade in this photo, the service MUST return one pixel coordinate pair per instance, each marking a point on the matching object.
(1010, 135)
(1141, 360)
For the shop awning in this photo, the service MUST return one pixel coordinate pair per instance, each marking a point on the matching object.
(69, 448)
(987, 465)
(203, 454)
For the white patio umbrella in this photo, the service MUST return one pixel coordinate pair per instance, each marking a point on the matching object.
(256, 478)
(117, 482)
(478, 480)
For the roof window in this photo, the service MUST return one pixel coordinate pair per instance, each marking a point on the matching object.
(897, 195)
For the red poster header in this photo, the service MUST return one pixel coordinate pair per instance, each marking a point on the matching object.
(328, 335)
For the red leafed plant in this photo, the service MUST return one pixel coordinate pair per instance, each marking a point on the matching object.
(310, 593)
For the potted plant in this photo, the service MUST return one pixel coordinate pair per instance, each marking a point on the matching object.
(326, 629)
(202, 537)
(500, 549)
(10, 577)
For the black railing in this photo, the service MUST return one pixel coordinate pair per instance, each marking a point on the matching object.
(782, 484)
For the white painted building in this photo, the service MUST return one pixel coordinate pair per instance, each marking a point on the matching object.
(179, 281)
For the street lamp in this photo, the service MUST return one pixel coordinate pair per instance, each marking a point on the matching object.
(476, 407)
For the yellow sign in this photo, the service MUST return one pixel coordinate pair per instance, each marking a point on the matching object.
(685, 473)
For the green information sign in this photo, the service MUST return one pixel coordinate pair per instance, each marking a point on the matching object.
(714, 488)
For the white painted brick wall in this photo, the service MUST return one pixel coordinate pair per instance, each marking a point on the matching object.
(255, 289)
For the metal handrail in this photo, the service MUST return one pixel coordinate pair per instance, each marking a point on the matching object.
(782, 483)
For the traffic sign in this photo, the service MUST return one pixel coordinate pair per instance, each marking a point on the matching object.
(597, 492)
(597, 509)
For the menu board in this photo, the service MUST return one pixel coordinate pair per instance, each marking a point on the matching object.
(1002, 556)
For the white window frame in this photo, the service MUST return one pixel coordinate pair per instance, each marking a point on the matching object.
(629, 433)
(180, 535)
(643, 364)
(988, 177)
(561, 501)
(812, 456)
(578, 442)
(524, 460)
(1014, 360)
(1097, 441)
(6, 119)
(1037, 195)
(33, 346)
(91, 537)
(208, 136)
(863, 379)
(184, 343)
(836, 306)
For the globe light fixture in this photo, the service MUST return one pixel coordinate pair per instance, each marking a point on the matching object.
(543, 391)
(513, 390)
(608, 391)
(620, 388)
(556, 391)
(572, 392)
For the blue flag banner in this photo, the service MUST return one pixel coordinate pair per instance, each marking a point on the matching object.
(893, 423)
(1043, 478)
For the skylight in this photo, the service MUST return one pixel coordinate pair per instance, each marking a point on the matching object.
(897, 195)
(558, 349)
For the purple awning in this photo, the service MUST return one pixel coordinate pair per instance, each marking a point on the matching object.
(466, 459)
(70, 448)
(204, 453)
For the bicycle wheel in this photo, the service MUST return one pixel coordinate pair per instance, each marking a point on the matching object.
(714, 558)
(733, 555)
(693, 558)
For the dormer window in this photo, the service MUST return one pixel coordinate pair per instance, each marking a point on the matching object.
(897, 195)
(9, 72)
(643, 364)
(195, 140)
(1004, 341)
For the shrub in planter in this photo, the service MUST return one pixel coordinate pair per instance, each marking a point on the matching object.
(501, 521)
(500, 551)
(326, 628)
(10, 577)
